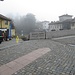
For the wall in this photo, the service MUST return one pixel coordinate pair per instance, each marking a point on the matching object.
(61, 33)
(51, 34)
(55, 26)
(0, 23)
(63, 18)
(13, 32)
(5, 26)
(73, 26)
(37, 35)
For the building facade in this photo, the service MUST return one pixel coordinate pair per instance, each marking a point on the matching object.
(73, 24)
(65, 22)
(4, 22)
(13, 30)
(45, 25)
(55, 26)
(65, 17)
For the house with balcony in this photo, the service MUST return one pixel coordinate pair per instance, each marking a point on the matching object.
(4, 22)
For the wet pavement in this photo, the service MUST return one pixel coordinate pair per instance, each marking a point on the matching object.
(59, 61)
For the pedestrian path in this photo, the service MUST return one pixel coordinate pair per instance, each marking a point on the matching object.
(7, 44)
(63, 37)
(13, 66)
(2, 48)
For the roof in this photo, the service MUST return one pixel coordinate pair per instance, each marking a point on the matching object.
(45, 22)
(4, 17)
(66, 15)
(53, 23)
(59, 22)
(68, 20)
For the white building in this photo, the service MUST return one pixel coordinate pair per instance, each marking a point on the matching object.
(45, 25)
(54, 26)
(63, 23)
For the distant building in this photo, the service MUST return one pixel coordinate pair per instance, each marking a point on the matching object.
(73, 24)
(65, 17)
(45, 24)
(65, 22)
(42, 26)
(54, 26)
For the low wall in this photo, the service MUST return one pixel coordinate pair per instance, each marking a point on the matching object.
(37, 35)
(51, 34)
(62, 33)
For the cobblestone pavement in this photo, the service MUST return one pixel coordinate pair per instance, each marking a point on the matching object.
(7, 43)
(59, 61)
(12, 53)
(66, 40)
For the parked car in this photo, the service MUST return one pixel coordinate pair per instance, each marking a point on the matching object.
(53, 30)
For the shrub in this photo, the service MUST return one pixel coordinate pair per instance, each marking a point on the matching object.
(24, 38)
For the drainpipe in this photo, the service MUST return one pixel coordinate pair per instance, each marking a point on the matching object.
(1, 23)
(45, 34)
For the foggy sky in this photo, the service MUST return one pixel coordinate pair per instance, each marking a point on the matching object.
(42, 9)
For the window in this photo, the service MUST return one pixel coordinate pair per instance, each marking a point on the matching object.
(6, 22)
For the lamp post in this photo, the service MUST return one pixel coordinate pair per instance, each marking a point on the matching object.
(21, 32)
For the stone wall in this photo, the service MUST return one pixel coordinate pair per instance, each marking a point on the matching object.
(54, 34)
(37, 35)
(51, 34)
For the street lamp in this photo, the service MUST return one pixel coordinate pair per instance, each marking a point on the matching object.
(21, 32)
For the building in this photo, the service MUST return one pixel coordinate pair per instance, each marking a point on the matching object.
(7, 25)
(45, 25)
(54, 26)
(65, 22)
(13, 30)
(65, 17)
(42, 26)
(73, 24)
(4, 22)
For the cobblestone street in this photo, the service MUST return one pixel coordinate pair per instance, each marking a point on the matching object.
(59, 61)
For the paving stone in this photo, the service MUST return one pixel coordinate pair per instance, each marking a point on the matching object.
(56, 62)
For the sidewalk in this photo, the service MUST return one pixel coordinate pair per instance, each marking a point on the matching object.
(9, 43)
